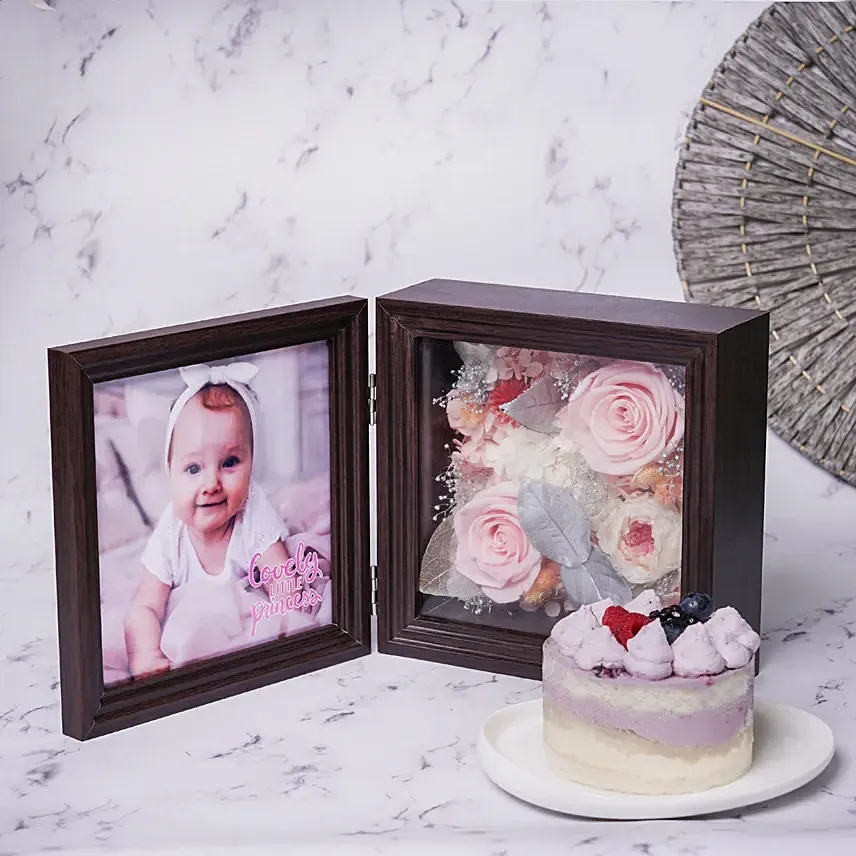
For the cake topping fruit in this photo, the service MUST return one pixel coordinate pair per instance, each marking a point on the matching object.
(649, 654)
(688, 639)
(674, 621)
(698, 605)
(695, 654)
(600, 649)
(623, 624)
(732, 636)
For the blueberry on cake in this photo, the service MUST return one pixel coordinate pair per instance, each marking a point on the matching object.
(649, 699)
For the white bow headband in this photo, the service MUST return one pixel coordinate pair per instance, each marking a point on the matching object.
(234, 375)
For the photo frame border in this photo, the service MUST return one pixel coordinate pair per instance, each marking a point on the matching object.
(724, 351)
(88, 708)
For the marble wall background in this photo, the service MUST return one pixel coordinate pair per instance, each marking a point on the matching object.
(167, 162)
(163, 162)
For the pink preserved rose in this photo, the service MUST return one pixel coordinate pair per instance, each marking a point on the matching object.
(493, 550)
(623, 416)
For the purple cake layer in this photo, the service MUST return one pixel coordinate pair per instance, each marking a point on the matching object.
(702, 728)
(706, 726)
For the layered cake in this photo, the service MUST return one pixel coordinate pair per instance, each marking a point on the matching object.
(647, 700)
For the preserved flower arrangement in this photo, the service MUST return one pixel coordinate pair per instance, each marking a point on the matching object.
(564, 482)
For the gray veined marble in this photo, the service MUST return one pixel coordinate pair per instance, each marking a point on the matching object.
(162, 162)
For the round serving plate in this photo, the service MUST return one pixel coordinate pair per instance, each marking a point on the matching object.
(792, 747)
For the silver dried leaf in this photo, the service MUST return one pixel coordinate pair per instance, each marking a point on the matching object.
(554, 522)
(536, 407)
(438, 575)
(595, 580)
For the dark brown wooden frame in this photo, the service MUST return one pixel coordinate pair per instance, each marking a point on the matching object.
(724, 351)
(88, 709)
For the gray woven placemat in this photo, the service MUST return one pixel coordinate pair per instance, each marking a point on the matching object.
(765, 213)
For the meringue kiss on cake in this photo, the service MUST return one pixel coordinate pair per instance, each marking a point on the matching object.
(650, 700)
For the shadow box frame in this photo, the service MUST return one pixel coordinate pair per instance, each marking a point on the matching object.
(89, 709)
(724, 351)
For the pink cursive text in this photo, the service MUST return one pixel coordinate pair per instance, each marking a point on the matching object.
(286, 585)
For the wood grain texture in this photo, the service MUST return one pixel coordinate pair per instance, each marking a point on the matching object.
(614, 312)
(724, 352)
(76, 543)
(88, 709)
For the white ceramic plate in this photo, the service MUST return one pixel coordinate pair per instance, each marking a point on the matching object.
(792, 747)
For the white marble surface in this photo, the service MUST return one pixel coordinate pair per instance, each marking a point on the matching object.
(162, 162)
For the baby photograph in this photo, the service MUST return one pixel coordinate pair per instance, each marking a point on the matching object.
(213, 485)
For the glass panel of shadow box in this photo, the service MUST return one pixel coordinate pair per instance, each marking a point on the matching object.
(548, 480)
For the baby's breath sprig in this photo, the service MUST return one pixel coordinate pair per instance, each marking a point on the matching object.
(566, 382)
(450, 479)
(673, 465)
(470, 384)
(677, 377)
(472, 380)
(478, 605)
(568, 373)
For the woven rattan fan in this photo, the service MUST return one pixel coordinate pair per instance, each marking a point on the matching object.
(765, 213)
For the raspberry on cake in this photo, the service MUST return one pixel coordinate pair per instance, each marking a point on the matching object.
(623, 624)
(642, 699)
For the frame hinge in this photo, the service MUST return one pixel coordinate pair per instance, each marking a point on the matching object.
(374, 589)
(372, 399)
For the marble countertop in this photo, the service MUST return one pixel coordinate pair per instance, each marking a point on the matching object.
(162, 162)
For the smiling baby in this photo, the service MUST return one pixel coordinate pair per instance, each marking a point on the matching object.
(218, 519)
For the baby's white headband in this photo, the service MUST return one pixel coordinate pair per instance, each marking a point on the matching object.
(234, 375)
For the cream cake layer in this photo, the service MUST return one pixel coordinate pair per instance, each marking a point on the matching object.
(675, 711)
(622, 761)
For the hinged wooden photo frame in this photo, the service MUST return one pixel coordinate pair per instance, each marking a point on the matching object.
(721, 354)
(89, 708)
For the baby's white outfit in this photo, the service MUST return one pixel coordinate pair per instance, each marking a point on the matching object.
(170, 556)
(208, 614)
